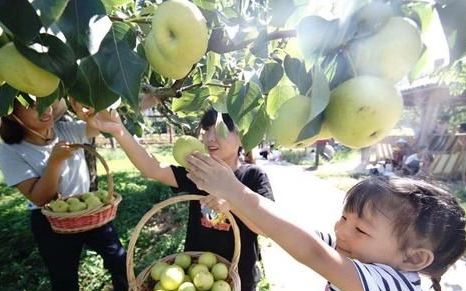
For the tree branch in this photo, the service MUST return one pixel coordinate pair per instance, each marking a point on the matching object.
(167, 113)
(219, 43)
(135, 19)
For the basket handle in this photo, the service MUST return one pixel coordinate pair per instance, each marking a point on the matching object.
(91, 150)
(157, 207)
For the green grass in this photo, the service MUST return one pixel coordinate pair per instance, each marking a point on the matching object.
(118, 161)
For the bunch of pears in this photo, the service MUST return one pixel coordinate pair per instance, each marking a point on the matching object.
(87, 201)
(363, 109)
(186, 273)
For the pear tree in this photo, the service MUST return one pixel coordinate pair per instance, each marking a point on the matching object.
(252, 59)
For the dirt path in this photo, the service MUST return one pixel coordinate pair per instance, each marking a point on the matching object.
(314, 204)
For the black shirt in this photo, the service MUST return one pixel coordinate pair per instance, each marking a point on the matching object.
(221, 242)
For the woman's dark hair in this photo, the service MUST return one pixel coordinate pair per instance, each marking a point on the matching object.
(10, 131)
(419, 208)
(210, 118)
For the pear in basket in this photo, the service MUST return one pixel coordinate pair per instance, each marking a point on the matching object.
(157, 270)
(196, 268)
(158, 287)
(93, 202)
(183, 260)
(172, 277)
(187, 286)
(72, 200)
(221, 285)
(75, 205)
(103, 196)
(220, 271)
(208, 259)
(85, 196)
(59, 206)
(203, 281)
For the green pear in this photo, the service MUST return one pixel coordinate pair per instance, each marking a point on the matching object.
(220, 285)
(157, 269)
(183, 260)
(172, 277)
(208, 259)
(290, 119)
(103, 195)
(184, 146)
(196, 268)
(158, 287)
(72, 200)
(85, 196)
(187, 286)
(77, 206)
(58, 206)
(162, 65)
(24, 75)
(220, 271)
(178, 38)
(93, 202)
(203, 281)
(391, 52)
(363, 110)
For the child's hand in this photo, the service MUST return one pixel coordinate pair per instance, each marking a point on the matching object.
(212, 175)
(106, 121)
(82, 112)
(61, 152)
(217, 204)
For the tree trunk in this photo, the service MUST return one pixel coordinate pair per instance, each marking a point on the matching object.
(429, 118)
(170, 133)
(91, 161)
(112, 142)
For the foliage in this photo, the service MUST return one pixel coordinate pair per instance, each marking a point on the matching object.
(97, 52)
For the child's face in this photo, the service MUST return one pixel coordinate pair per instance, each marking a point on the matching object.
(30, 117)
(222, 148)
(369, 238)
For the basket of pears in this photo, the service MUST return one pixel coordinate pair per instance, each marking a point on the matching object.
(187, 271)
(86, 211)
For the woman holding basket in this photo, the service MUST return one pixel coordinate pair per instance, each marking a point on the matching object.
(202, 233)
(37, 159)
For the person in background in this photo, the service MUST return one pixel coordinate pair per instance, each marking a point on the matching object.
(37, 159)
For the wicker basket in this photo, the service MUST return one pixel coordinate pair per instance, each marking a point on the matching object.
(142, 282)
(89, 218)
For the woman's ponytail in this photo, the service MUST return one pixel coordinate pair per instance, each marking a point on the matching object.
(436, 283)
